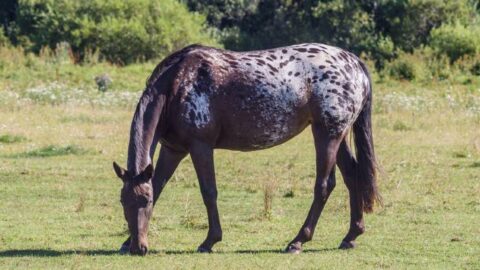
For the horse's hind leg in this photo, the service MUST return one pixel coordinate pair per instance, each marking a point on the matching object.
(326, 150)
(347, 164)
(167, 163)
(202, 157)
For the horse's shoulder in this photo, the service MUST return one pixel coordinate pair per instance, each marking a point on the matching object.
(173, 59)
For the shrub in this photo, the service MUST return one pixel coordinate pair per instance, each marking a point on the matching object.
(455, 40)
(122, 31)
(402, 70)
(469, 64)
(4, 41)
(410, 66)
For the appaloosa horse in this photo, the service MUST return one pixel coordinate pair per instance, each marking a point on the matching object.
(202, 98)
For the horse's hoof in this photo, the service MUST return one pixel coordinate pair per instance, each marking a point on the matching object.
(124, 249)
(201, 249)
(294, 249)
(347, 245)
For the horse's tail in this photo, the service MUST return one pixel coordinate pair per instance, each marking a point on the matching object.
(366, 167)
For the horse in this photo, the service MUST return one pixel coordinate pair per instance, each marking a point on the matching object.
(201, 98)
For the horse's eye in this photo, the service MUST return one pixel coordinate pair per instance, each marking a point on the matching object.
(141, 200)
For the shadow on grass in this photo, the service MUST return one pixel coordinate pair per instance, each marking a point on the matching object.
(101, 252)
(56, 253)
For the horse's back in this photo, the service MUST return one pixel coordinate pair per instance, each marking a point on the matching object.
(258, 99)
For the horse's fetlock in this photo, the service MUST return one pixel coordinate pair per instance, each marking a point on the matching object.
(359, 228)
(307, 234)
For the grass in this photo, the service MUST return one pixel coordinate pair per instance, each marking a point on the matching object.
(61, 208)
(53, 150)
(9, 138)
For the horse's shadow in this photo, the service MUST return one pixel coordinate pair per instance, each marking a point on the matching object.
(104, 252)
(54, 253)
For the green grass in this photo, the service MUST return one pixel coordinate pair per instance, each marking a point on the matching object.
(53, 150)
(9, 138)
(61, 209)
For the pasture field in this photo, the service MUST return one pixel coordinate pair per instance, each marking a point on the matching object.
(59, 197)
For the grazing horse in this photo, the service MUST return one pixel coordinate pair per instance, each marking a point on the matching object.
(202, 98)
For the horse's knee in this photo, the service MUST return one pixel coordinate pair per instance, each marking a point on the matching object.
(331, 183)
(323, 190)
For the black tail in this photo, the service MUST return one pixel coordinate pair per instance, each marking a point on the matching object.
(366, 167)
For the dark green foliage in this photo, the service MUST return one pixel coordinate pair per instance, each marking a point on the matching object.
(224, 13)
(123, 31)
(475, 69)
(402, 70)
(137, 30)
(378, 28)
(408, 23)
(455, 40)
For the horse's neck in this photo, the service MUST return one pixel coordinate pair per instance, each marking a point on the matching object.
(142, 131)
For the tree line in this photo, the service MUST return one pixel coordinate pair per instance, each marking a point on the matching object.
(127, 31)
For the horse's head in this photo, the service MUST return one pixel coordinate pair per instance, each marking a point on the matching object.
(137, 201)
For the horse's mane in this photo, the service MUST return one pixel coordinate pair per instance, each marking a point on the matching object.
(168, 62)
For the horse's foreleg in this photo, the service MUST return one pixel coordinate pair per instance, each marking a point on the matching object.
(202, 157)
(326, 151)
(346, 163)
(167, 162)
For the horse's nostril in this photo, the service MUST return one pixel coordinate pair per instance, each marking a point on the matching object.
(144, 250)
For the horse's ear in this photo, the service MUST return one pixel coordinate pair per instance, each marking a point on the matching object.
(119, 170)
(148, 172)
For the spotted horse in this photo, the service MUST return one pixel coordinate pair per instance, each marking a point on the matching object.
(201, 98)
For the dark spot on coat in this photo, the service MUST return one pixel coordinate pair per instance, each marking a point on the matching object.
(282, 64)
(229, 56)
(300, 49)
(321, 67)
(284, 51)
(191, 115)
(324, 77)
(296, 74)
(272, 68)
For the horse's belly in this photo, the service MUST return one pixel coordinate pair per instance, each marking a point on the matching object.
(258, 123)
